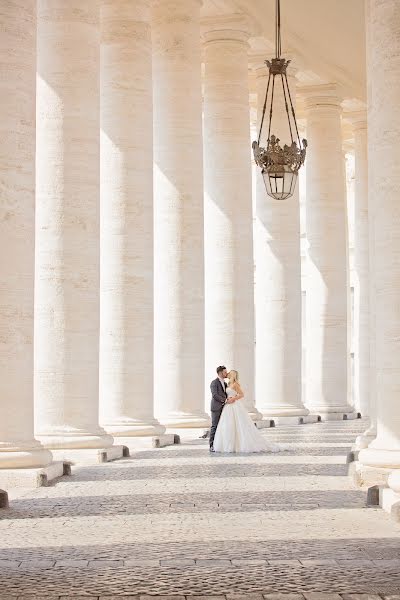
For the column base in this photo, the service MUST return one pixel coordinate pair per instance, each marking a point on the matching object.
(90, 456)
(138, 443)
(10, 478)
(3, 499)
(380, 458)
(134, 428)
(254, 414)
(305, 420)
(365, 477)
(284, 411)
(181, 420)
(24, 455)
(265, 423)
(338, 416)
(59, 439)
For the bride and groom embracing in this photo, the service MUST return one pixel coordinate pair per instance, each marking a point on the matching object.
(232, 429)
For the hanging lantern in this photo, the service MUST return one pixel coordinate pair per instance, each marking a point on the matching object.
(279, 163)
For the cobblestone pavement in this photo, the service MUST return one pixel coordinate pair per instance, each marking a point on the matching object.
(179, 521)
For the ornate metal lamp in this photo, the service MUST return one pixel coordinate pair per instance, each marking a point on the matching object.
(279, 164)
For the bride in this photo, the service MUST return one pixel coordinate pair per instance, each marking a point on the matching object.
(236, 431)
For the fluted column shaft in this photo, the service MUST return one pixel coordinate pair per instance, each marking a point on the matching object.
(384, 156)
(67, 226)
(18, 448)
(327, 282)
(229, 269)
(361, 268)
(126, 223)
(278, 280)
(179, 220)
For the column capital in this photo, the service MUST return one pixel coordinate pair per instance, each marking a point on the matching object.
(232, 28)
(358, 119)
(327, 96)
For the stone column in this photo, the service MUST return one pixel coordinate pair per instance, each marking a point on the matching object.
(18, 448)
(361, 266)
(178, 216)
(384, 156)
(67, 226)
(229, 267)
(278, 280)
(126, 224)
(327, 282)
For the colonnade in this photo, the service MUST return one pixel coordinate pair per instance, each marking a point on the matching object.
(133, 276)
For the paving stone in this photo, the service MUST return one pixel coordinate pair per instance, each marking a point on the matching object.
(360, 597)
(8, 564)
(246, 562)
(179, 562)
(99, 563)
(211, 562)
(233, 596)
(70, 562)
(283, 596)
(36, 564)
(321, 596)
(284, 562)
(141, 563)
(319, 562)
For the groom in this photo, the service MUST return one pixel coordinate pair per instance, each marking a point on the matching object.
(218, 401)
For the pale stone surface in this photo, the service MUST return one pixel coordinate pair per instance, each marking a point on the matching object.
(384, 154)
(67, 226)
(178, 212)
(18, 448)
(361, 384)
(135, 525)
(228, 222)
(126, 223)
(326, 300)
(278, 280)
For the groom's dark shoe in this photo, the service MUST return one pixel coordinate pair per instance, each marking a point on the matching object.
(212, 449)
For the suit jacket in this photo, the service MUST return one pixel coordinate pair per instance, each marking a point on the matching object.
(218, 395)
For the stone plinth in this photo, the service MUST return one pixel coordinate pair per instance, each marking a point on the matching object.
(26, 478)
(91, 456)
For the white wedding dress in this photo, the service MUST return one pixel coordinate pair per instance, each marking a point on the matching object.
(236, 431)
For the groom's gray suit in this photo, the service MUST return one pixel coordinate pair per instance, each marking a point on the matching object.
(218, 399)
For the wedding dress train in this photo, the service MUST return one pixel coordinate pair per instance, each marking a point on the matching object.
(236, 431)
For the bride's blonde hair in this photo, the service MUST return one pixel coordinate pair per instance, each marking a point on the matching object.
(233, 376)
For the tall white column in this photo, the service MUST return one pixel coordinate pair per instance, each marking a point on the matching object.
(67, 226)
(126, 223)
(327, 281)
(229, 267)
(384, 156)
(278, 280)
(370, 433)
(179, 220)
(361, 266)
(18, 448)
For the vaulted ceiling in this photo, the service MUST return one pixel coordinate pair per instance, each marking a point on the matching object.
(326, 38)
